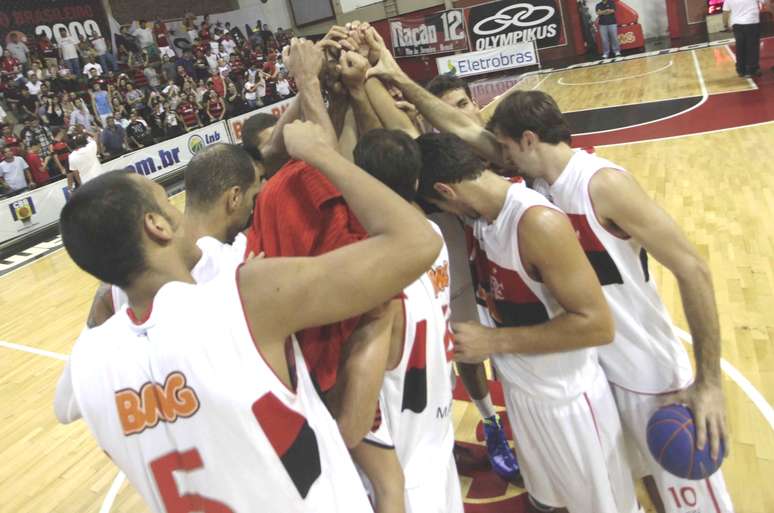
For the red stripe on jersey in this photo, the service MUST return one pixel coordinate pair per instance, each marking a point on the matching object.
(280, 424)
(586, 236)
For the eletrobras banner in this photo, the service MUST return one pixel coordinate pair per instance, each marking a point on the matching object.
(27, 213)
(47, 17)
(508, 22)
(439, 32)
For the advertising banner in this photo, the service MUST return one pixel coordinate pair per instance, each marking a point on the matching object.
(504, 23)
(439, 32)
(489, 61)
(235, 123)
(47, 17)
(31, 211)
(168, 156)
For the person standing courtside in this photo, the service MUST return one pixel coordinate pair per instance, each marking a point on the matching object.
(608, 28)
(745, 18)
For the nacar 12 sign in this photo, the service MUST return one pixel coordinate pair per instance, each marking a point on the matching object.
(440, 32)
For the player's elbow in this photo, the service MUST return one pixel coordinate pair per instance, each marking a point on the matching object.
(353, 428)
(600, 327)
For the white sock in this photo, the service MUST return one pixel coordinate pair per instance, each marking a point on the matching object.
(485, 406)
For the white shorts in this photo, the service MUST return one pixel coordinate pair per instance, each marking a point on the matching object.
(572, 454)
(678, 495)
(165, 50)
(441, 492)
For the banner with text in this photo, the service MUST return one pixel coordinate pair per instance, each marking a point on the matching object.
(489, 61)
(235, 123)
(439, 32)
(26, 213)
(505, 22)
(44, 17)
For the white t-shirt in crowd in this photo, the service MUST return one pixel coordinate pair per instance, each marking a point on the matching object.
(90, 66)
(144, 36)
(13, 173)
(68, 46)
(99, 45)
(34, 88)
(743, 12)
(283, 87)
(86, 162)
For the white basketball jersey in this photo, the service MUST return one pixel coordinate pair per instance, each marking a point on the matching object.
(514, 299)
(215, 255)
(187, 407)
(416, 397)
(645, 355)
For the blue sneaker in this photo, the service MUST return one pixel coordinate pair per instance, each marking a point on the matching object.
(501, 456)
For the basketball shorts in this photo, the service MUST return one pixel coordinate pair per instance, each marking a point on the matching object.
(679, 495)
(440, 493)
(572, 453)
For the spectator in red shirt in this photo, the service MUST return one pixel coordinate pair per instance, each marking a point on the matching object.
(10, 67)
(48, 51)
(162, 39)
(218, 84)
(37, 167)
(11, 141)
(188, 115)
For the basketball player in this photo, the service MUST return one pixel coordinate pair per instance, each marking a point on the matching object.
(416, 394)
(191, 389)
(221, 183)
(618, 225)
(547, 314)
(460, 111)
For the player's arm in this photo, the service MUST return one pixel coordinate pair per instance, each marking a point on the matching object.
(304, 61)
(65, 406)
(550, 250)
(102, 307)
(353, 70)
(390, 115)
(354, 398)
(297, 293)
(442, 116)
(619, 200)
(382, 467)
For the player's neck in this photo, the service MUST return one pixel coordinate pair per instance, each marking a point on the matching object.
(555, 159)
(488, 194)
(143, 290)
(200, 224)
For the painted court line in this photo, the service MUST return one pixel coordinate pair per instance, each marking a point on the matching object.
(748, 388)
(110, 498)
(617, 79)
(34, 350)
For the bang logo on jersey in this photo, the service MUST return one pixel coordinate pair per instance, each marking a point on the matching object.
(155, 403)
(439, 276)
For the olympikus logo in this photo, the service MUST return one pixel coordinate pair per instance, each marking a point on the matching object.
(155, 403)
(522, 17)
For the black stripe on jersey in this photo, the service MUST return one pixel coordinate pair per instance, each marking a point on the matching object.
(644, 263)
(415, 390)
(520, 314)
(302, 460)
(604, 266)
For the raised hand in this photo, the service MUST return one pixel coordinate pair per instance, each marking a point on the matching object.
(353, 70)
(303, 139)
(386, 68)
(303, 59)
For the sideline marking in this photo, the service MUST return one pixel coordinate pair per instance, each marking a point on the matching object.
(617, 79)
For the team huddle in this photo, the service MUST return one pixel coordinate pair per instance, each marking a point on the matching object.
(305, 363)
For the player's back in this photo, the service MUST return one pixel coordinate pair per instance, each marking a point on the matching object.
(184, 403)
(645, 355)
(416, 396)
(515, 299)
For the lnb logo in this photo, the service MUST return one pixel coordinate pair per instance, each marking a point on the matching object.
(195, 144)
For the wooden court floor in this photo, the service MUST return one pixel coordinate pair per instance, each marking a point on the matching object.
(719, 186)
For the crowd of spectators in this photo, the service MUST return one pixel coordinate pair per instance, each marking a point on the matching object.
(56, 97)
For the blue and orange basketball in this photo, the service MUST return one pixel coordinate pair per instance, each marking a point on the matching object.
(672, 442)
